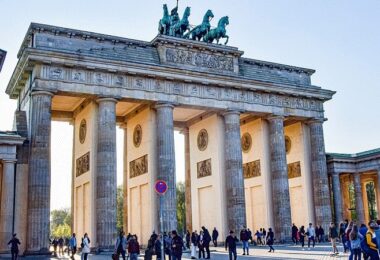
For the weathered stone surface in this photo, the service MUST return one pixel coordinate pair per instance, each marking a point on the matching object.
(39, 174)
(106, 174)
(337, 195)
(280, 185)
(189, 222)
(319, 172)
(125, 179)
(166, 164)
(236, 217)
(359, 205)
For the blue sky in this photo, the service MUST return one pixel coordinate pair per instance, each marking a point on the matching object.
(339, 39)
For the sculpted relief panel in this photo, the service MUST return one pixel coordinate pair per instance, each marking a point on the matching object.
(185, 89)
(294, 170)
(204, 168)
(251, 169)
(138, 167)
(82, 164)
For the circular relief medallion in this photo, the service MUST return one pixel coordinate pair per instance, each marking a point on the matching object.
(137, 136)
(202, 140)
(82, 131)
(246, 142)
(288, 144)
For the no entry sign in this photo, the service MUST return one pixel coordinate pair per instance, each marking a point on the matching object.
(161, 187)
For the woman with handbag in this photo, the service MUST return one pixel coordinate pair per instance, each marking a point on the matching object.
(85, 247)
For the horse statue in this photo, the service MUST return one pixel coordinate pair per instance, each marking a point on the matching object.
(174, 17)
(164, 23)
(219, 32)
(183, 25)
(199, 31)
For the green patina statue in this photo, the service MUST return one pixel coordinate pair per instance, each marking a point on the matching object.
(172, 25)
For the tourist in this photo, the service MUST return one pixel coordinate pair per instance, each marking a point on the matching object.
(264, 232)
(302, 235)
(317, 234)
(206, 241)
(347, 234)
(270, 240)
(342, 235)
(61, 243)
(201, 247)
(157, 247)
(176, 246)
(133, 248)
(55, 246)
(244, 237)
(73, 245)
(355, 239)
(85, 246)
(14, 242)
(333, 235)
(370, 239)
(250, 235)
(294, 234)
(187, 237)
(377, 233)
(259, 241)
(121, 245)
(194, 244)
(167, 244)
(310, 235)
(321, 234)
(215, 235)
(230, 244)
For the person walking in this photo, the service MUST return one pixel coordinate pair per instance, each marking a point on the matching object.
(321, 234)
(14, 242)
(294, 234)
(133, 247)
(302, 235)
(270, 240)
(347, 234)
(121, 245)
(176, 246)
(244, 237)
(194, 244)
(264, 232)
(215, 235)
(250, 235)
(73, 245)
(61, 243)
(355, 239)
(201, 247)
(230, 244)
(259, 241)
(85, 247)
(310, 232)
(342, 236)
(370, 239)
(188, 238)
(333, 235)
(157, 247)
(206, 241)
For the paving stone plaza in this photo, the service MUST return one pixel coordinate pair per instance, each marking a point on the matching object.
(254, 142)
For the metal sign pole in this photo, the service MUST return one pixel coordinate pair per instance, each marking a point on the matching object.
(162, 229)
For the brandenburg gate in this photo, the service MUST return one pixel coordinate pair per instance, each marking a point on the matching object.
(254, 145)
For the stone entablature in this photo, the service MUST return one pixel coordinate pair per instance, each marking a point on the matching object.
(2, 58)
(352, 163)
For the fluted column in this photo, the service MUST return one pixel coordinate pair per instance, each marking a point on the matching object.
(359, 198)
(106, 173)
(321, 189)
(338, 205)
(166, 164)
(189, 222)
(280, 184)
(7, 198)
(39, 180)
(125, 179)
(236, 217)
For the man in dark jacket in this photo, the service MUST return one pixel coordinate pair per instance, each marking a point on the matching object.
(14, 242)
(176, 246)
(244, 237)
(215, 235)
(206, 241)
(231, 245)
(294, 234)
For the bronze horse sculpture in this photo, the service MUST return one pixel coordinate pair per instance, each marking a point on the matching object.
(199, 31)
(183, 25)
(164, 23)
(219, 32)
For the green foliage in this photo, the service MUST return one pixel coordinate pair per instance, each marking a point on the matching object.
(119, 203)
(60, 224)
(181, 212)
(371, 197)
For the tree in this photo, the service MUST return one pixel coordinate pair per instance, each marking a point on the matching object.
(119, 207)
(181, 212)
(60, 224)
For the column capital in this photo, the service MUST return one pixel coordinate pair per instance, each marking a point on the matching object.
(316, 121)
(9, 160)
(106, 99)
(231, 112)
(42, 93)
(275, 117)
(162, 104)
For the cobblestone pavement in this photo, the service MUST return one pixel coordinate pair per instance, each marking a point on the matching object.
(320, 252)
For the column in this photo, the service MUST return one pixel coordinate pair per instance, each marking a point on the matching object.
(359, 199)
(106, 174)
(280, 184)
(166, 164)
(378, 192)
(321, 186)
(39, 174)
(236, 217)
(7, 199)
(125, 180)
(338, 205)
(189, 224)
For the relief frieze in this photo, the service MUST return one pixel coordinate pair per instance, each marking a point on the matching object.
(204, 168)
(294, 170)
(251, 169)
(138, 167)
(82, 164)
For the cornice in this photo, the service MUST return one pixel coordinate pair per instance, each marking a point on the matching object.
(2, 58)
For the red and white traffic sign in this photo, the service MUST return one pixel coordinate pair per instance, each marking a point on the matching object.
(161, 187)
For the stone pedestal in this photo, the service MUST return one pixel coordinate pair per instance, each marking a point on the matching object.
(338, 205)
(7, 197)
(189, 224)
(39, 174)
(359, 199)
(166, 164)
(106, 174)
(280, 184)
(319, 172)
(236, 217)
